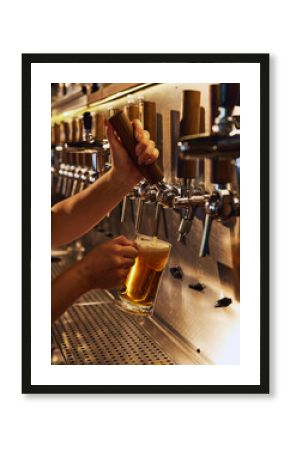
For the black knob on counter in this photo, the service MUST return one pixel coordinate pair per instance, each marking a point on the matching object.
(223, 302)
(176, 272)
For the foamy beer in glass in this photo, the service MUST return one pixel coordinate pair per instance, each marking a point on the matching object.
(142, 282)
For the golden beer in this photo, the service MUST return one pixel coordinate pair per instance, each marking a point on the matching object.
(142, 281)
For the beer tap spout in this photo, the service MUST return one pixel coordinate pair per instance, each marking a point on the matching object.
(186, 223)
(220, 205)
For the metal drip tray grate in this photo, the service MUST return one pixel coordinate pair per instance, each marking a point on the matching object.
(95, 331)
(102, 334)
(56, 270)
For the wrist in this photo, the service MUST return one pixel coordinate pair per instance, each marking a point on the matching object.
(84, 276)
(123, 182)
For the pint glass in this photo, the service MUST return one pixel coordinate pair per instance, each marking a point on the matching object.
(141, 285)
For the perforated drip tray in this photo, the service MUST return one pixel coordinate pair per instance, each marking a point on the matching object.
(95, 331)
(57, 267)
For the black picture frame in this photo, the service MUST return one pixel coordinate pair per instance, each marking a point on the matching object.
(27, 61)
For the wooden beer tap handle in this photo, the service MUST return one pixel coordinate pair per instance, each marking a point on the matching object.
(150, 119)
(124, 129)
(100, 126)
(189, 125)
(190, 120)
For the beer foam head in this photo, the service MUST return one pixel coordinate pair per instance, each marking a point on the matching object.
(151, 244)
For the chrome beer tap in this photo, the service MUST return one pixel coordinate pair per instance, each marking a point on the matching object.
(221, 147)
(53, 159)
(56, 159)
(76, 149)
(62, 160)
(223, 203)
(188, 206)
(65, 174)
(146, 194)
(68, 166)
(190, 172)
(220, 205)
(132, 112)
(85, 170)
(72, 144)
(142, 192)
(70, 174)
(129, 197)
(100, 148)
(166, 194)
(181, 199)
(165, 198)
(77, 172)
(92, 156)
(152, 173)
(191, 190)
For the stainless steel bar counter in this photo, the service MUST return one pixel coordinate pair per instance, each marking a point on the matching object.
(95, 331)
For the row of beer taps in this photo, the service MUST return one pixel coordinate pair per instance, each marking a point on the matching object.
(78, 158)
(81, 157)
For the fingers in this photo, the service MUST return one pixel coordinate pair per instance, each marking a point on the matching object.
(121, 275)
(128, 251)
(140, 134)
(127, 263)
(145, 149)
(141, 147)
(119, 262)
(126, 248)
(122, 240)
(143, 136)
(148, 156)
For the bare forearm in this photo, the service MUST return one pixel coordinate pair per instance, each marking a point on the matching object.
(76, 215)
(67, 288)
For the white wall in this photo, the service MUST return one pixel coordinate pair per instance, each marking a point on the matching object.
(74, 422)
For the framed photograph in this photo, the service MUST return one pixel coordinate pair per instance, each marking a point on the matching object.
(145, 218)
